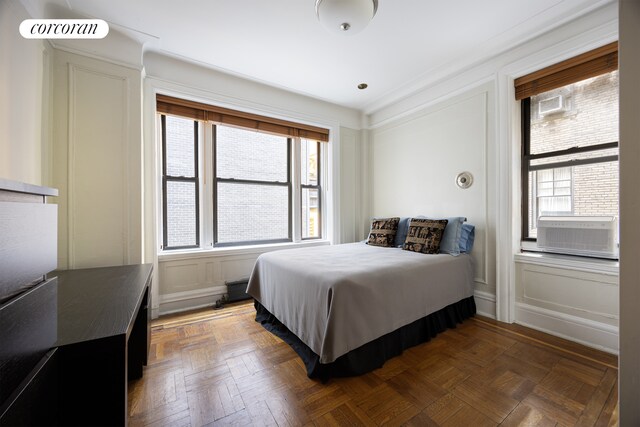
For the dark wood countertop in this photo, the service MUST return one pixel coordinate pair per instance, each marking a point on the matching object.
(95, 303)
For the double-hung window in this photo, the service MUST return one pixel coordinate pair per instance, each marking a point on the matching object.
(180, 183)
(252, 196)
(570, 139)
(233, 178)
(310, 189)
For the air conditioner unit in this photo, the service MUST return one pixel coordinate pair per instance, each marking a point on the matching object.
(551, 105)
(579, 235)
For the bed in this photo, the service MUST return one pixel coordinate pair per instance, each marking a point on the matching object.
(346, 309)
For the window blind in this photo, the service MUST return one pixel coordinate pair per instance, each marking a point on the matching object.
(199, 111)
(590, 64)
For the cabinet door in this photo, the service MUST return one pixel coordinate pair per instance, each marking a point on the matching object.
(35, 401)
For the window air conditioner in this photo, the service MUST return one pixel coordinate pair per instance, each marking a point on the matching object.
(551, 105)
(579, 235)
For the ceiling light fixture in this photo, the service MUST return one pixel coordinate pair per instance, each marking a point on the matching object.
(345, 16)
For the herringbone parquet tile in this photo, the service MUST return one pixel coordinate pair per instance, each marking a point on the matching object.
(221, 367)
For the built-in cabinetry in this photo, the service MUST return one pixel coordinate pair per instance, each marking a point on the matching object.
(28, 305)
(70, 339)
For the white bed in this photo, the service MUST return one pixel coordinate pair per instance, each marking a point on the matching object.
(337, 298)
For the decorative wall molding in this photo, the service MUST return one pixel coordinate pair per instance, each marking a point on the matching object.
(483, 252)
(598, 24)
(73, 71)
(206, 84)
(190, 281)
(190, 300)
(485, 304)
(577, 37)
(103, 58)
(587, 295)
(99, 148)
(566, 262)
(584, 331)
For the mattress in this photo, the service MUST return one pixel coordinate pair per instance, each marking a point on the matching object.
(338, 298)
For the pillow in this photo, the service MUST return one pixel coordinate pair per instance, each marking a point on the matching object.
(467, 236)
(383, 231)
(451, 237)
(424, 235)
(401, 234)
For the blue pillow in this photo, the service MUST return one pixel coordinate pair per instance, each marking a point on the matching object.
(401, 233)
(467, 236)
(450, 243)
(450, 238)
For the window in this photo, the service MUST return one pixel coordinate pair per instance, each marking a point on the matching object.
(310, 189)
(253, 188)
(265, 182)
(570, 146)
(180, 183)
(552, 192)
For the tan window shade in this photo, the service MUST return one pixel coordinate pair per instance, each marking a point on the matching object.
(590, 64)
(199, 111)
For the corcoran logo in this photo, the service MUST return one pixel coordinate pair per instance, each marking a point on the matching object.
(64, 29)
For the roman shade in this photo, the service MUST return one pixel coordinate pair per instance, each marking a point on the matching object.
(590, 64)
(200, 111)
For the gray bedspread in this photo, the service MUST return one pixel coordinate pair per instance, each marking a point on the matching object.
(337, 298)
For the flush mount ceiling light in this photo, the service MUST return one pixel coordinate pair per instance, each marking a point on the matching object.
(345, 16)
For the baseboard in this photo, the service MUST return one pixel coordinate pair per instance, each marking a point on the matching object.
(583, 331)
(190, 300)
(485, 304)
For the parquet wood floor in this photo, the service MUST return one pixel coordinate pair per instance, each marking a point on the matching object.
(222, 368)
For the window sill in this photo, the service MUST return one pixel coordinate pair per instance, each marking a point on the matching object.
(235, 250)
(569, 262)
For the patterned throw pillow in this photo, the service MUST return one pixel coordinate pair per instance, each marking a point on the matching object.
(424, 235)
(383, 231)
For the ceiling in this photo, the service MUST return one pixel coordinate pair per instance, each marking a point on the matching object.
(281, 43)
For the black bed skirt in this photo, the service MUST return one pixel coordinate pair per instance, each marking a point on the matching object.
(372, 355)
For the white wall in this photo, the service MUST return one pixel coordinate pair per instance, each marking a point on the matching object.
(629, 373)
(24, 70)
(97, 161)
(351, 191)
(573, 299)
(415, 161)
(193, 280)
(442, 121)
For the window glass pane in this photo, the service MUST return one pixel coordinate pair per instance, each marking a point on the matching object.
(577, 115)
(545, 175)
(180, 146)
(592, 191)
(310, 213)
(250, 212)
(181, 213)
(250, 155)
(309, 165)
